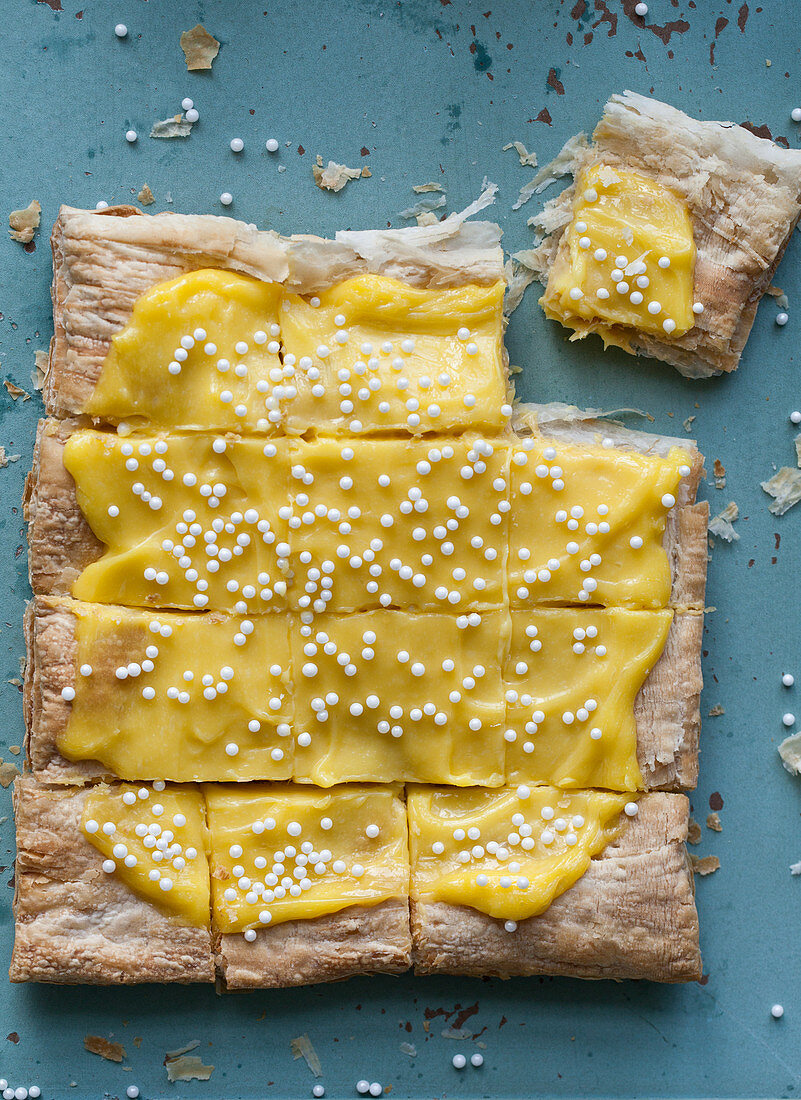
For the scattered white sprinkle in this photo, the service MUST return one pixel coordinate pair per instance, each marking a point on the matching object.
(795, 114)
(476, 1060)
(121, 31)
(788, 719)
(132, 1091)
(641, 9)
(187, 104)
(777, 1011)
(795, 417)
(459, 1061)
(788, 679)
(192, 115)
(271, 145)
(131, 135)
(782, 319)
(237, 145)
(226, 198)
(318, 1090)
(630, 809)
(68, 694)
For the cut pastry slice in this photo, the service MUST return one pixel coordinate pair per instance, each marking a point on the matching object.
(394, 695)
(603, 514)
(535, 880)
(400, 523)
(669, 236)
(92, 903)
(308, 886)
(112, 691)
(205, 322)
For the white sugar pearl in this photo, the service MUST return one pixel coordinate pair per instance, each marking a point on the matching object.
(459, 1061)
(271, 145)
(782, 319)
(795, 114)
(788, 719)
(131, 135)
(192, 115)
(187, 104)
(132, 1092)
(641, 9)
(788, 679)
(237, 145)
(630, 809)
(226, 198)
(121, 31)
(777, 1011)
(68, 694)
(795, 417)
(476, 1060)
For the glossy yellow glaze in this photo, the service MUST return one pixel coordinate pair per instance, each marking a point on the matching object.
(307, 853)
(168, 865)
(623, 225)
(376, 354)
(180, 697)
(400, 523)
(137, 383)
(571, 679)
(575, 511)
(496, 852)
(389, 695)
(147, 496)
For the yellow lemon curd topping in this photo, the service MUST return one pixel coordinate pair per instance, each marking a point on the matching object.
(281, 853)
(392, 695)
(373, 354)
(199, 351)
(571, 679)
(189, 520)
(155, 840)
(508, 853)
(587, 524)
(627, 258)
(218, 350)
(426, 523)
(181, 697)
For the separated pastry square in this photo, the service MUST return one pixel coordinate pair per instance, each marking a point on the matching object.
(195, 521)
(399, 523)
(535, 880)
(308, 885)
(395, 696)
(377, 354)
(112, 885)
(587, 523)
(141, 695)
(199, 351)
(669, 236)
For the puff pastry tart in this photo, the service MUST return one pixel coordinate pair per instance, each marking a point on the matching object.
(669, 235)
(292, 548)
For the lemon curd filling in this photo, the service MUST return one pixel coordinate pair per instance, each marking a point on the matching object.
(191, 521)
(281, 853)
(222, 351)
(507, 853)
(587, 524)
(571, 680)
(155, 839)
(181, 697)
(628, 259)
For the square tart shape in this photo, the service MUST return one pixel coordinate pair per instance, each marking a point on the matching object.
(588, 520)
(88, 717)
(417, 524)
(76, 924)
(440, 692)
(744, 200)
(603, 697)
(101, 514)
(631, 915)
(376, 354)
(364, 930)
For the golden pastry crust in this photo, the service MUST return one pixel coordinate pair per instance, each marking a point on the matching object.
(76, 924)
(631, 915)
(103, 261)
(358, 940)
(744, 198)
(666, 709)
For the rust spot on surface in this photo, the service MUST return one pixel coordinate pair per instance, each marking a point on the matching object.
(607, 16)
(777, 540)
(554, 82)
(720, 24)
(13, 1037)
(742, 18)
(301, 150)
(544, 116)
(54, 5)
(578, 9)
(464, 1015)
(716, 801)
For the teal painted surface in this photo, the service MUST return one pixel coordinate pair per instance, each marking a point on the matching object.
(411, 83)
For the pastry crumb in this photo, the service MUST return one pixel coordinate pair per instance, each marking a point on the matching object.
(24, 223)
(423, 188)
(105, 1048)
(785, 488)
(528, 160)
(8, 773)
(790, 753)
(705, 865)
(175, 127)
(716, 711)
(183, 1066)
(302, 1047)
(200, 48)
(40, 369)
(721, 524)
(719, 471)
(693, 832)
(146, 196)
(333, 177)
(688, 423)
(16, 391)
(6, 458)
(713, 822)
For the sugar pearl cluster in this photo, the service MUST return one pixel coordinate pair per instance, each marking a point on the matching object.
(165, 850)
(286, 865)
(579, 523)
(627, 279)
